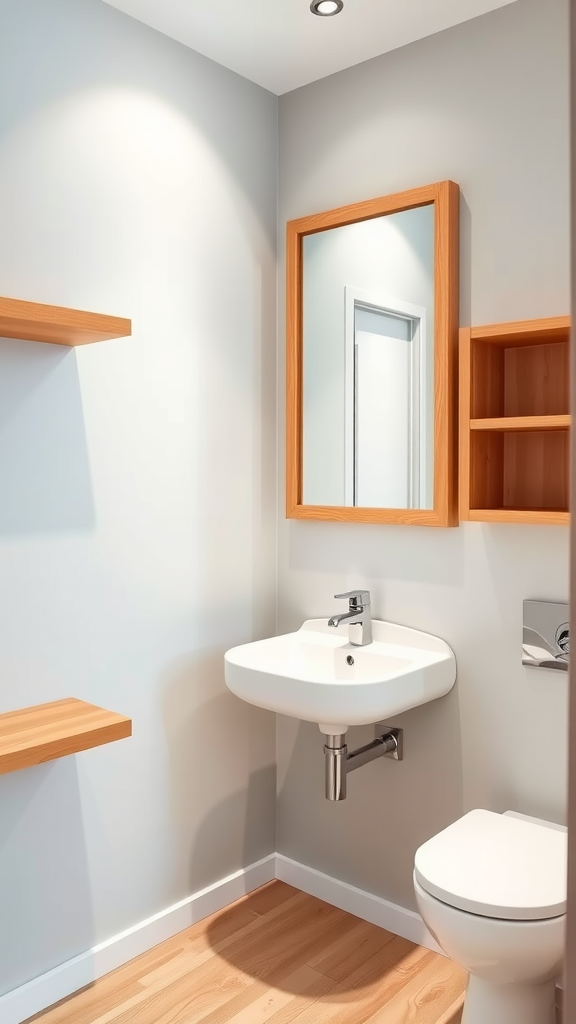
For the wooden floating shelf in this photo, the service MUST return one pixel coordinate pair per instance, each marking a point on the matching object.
(34, 321)
(515, 422)
(562, 422)
(49, 731)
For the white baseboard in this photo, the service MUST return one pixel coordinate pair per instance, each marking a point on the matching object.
(36, 995)
(403, 922)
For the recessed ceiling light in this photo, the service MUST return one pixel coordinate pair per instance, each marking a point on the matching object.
(326, 8)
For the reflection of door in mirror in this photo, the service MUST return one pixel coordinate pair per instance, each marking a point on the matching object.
(387, 444)
(368, 363)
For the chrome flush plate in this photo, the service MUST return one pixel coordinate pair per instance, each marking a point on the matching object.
(546, 635)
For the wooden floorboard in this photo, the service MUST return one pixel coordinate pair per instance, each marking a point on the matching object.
(274, 957)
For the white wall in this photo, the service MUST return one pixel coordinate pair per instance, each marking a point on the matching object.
(486, 104)
(137, 523)
(390, 258)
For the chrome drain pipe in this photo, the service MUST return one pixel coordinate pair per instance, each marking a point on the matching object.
(338, 762)
(335, 754)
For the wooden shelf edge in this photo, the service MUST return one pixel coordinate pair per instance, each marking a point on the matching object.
(58, 325)
(45, 732)
(518, 423)
(551, 329)
(511, 515)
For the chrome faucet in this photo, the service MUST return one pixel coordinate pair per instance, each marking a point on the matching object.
(358, 614)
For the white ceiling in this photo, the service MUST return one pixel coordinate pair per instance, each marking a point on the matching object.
(280, 45)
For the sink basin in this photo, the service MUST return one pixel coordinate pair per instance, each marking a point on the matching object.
(306, 674)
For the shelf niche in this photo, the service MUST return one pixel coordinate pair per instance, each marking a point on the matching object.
(515, 422)
(58, 325)
(48, 731)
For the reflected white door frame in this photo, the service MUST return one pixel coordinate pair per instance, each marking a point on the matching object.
(357, 299)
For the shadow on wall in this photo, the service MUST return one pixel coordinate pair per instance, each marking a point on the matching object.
(309, 949)
(369, 839)
(44, 882)
(44, 466)
(214, 741)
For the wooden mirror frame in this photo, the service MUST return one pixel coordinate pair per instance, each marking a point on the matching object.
(445, 196)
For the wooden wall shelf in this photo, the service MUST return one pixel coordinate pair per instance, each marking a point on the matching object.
(49, 731)
(522, 423)
(34, 321)
(515, 422)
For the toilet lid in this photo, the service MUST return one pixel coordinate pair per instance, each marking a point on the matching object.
(496, 866)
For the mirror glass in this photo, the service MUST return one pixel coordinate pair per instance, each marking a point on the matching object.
(368, 363)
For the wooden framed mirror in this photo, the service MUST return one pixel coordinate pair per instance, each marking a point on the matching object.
(371, 340)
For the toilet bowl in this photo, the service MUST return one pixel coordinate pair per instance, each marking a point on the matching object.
(491, 888)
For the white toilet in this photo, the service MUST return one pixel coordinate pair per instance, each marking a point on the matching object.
(491, 889)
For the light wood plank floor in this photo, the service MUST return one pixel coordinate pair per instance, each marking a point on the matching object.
(274, 957)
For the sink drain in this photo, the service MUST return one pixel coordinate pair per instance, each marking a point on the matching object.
(349, 660)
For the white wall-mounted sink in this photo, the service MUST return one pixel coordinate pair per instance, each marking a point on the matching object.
(306, 674)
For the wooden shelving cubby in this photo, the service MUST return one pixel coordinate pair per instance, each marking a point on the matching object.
(515, 422)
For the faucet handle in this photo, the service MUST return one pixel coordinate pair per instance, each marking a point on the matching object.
(357, 598)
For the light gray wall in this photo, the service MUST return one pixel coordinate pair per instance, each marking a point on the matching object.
(137, 477)
(485, 104)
